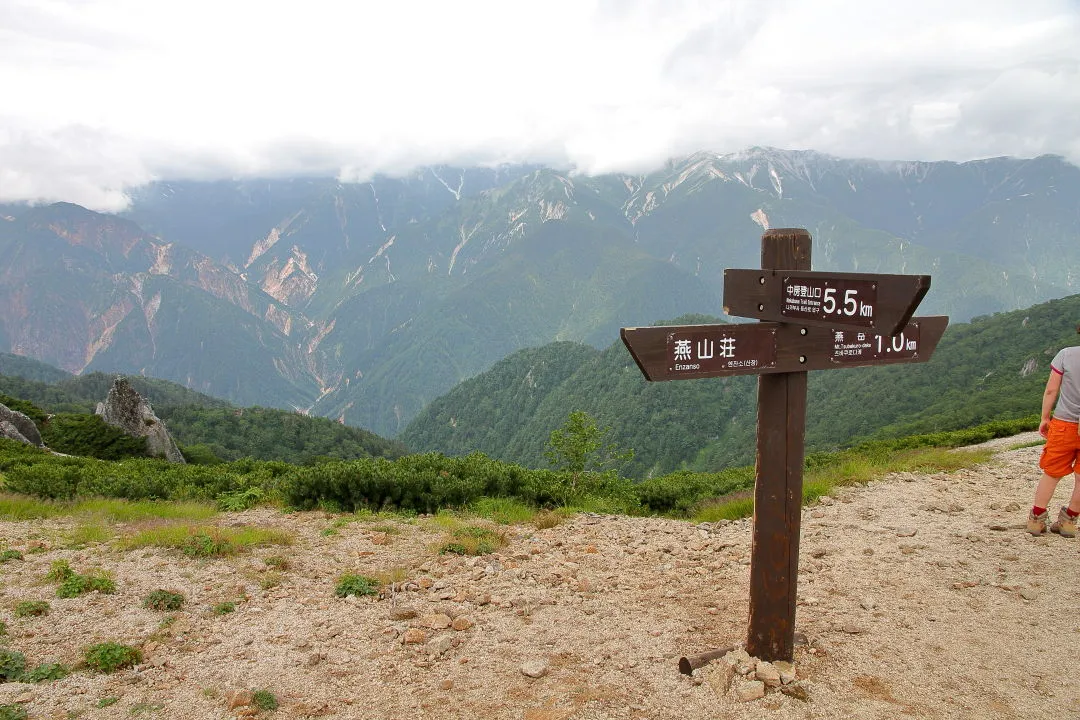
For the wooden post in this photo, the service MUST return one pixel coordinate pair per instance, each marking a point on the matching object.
(774, 560)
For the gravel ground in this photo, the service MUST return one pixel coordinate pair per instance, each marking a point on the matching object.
(920, 597)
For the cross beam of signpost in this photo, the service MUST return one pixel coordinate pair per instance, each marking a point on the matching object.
(811, 321)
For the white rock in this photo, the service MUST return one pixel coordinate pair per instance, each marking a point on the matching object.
(749, 690)
(534, 668)
(767, 673)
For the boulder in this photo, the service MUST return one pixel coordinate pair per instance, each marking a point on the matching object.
(126, 409)
(24, 428)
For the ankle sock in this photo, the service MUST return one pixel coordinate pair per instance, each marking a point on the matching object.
(1070, 512)
(1037, 511)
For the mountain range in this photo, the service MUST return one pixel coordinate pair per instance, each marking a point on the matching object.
(365, 302)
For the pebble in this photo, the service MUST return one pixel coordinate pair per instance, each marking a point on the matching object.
(1028, 594)
(534, 668)
(906, 532)
(461, 623)
(436, 621)
(413, 636)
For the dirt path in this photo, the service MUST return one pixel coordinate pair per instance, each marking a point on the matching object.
(915, 604)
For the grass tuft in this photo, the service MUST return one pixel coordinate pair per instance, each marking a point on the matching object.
(206, 541)
(473, 540)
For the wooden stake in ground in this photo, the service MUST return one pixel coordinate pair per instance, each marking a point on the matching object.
(821, 321)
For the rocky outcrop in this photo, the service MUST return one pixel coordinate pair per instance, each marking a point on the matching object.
(16, 426)
(126, 409)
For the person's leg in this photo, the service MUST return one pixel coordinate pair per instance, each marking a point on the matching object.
(1065, 525)
(1044, 491)
(1074, 500)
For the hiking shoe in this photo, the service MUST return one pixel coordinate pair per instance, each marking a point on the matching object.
(1036, 524)
(1065, 526)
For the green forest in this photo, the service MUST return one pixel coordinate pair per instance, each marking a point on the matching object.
(993, 368)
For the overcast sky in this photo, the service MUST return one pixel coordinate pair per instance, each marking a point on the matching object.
(98, 96)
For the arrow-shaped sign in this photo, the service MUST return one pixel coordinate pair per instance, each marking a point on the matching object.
(882, 303)
(685, 352)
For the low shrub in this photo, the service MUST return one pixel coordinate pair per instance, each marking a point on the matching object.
(47, 672)
(32, 608)
(264, 700)
(163, 600)
(109, 657)
(94, 581)
(473, 540)
(359, 585)
(13, 712)
(224, 608)
(12, 665)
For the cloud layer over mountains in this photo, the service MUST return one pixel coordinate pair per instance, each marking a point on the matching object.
(105, 95)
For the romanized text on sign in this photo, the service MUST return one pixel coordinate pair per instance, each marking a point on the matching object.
(841, 300)
(701, 351)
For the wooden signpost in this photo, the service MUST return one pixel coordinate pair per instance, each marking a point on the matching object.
(813, 321)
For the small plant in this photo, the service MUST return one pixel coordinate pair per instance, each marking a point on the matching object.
(109, 657)
(350, 584)
(32, 608)
(473, 540)
(3, 629)
(107, 701)
(59, 571)
(224, 608)
(12, 665)
(264, 700)
(206, 545)
(7, 555)
(164, 600)
(46, 672)
(77, 585)
(270, 580)
(12, 712)
(239, 499)
(277, 562)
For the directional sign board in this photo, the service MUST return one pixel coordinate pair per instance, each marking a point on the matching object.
(684, 352)
(882, 303)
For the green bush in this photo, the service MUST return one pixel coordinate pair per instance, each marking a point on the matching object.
(90, 436)
(239, 499)
(95, 581)
(46, 672)
(12, 665)
(109, 657)
(224, 608)
(264, 700)
(164, 600)
(350, 584)
(7, 555)
(32, 608)
(12, 712)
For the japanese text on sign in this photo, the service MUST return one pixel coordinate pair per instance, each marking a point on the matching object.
(699, 351)
(849, 301)
(855, 345)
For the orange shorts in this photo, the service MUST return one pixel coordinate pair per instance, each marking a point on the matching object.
(1060, 454)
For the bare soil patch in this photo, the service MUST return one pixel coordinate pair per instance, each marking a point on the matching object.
(921, 597)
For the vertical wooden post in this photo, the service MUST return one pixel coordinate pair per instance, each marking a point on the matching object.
(781, 429)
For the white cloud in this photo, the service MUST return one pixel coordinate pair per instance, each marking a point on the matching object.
(102, 95)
